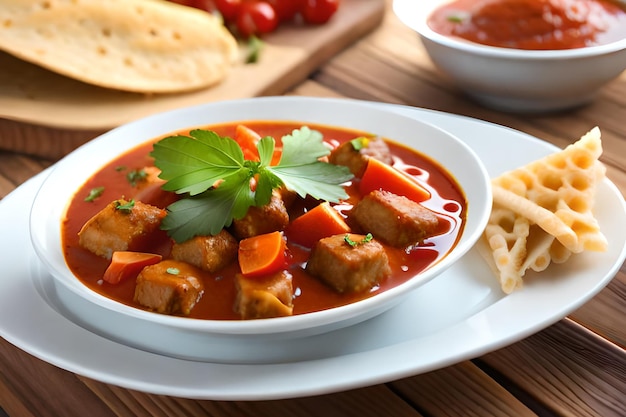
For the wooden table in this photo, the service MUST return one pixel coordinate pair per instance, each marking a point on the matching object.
(576, 367)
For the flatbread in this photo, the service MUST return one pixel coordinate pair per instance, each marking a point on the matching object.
(146, 46)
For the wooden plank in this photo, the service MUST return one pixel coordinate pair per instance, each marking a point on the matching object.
(42, 141)
(15, 169)
(604, 314)
(460, 390)
(43, 390)
(568, 369)
(372, 401)
(402, 88)
(6, 186)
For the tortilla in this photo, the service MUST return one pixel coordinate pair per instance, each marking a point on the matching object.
(146, 46)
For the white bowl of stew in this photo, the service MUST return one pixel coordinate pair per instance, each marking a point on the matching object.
(214, 330)
(526, 56)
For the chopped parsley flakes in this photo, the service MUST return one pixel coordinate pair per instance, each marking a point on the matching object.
(94, 193)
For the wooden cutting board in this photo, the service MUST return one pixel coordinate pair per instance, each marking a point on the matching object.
(46, 114)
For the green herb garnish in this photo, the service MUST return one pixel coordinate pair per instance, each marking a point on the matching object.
(135, 176)
(215, 179)
(172, 271)
(368, 238)
(458, 17)
(127, 207)
(360, 143)
(255, 45)
(94, 193)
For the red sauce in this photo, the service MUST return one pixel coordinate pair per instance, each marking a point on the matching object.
(532, 24)
(311, 295)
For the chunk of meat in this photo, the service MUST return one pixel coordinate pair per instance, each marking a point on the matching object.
(169, 287)
(288, 196)
(348, 268)
(264, 297)
(356, 160)
(115, 228)
(272, 217)
(395, 220)
(210, 253)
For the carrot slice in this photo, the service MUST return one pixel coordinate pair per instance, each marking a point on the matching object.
(247, 140)
(381, 176)
(319, 222)
(126, 264)
(262, 254)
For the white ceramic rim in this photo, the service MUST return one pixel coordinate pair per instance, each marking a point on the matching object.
(177, 119)
(414, 13)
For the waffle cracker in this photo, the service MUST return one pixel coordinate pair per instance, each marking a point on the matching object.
(146, 46)
(543, 212)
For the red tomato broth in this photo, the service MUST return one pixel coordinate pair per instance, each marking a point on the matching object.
(310, 294)
(532, 24)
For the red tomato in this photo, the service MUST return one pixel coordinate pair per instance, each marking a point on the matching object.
(256, 18)
(286, 9)
(319, 11)
(229, 9)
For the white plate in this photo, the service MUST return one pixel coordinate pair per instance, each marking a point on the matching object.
(458, 316)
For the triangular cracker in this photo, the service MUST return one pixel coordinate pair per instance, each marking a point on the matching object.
(543, 212)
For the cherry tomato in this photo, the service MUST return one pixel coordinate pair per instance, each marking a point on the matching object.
(229, 9)
(286, 9)
(319, 11)
(256, 18)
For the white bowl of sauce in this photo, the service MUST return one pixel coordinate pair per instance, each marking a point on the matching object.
(458, 189)
(523, 55)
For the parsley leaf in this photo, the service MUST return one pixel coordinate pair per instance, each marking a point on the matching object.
(353, 243)
(458, 17)
(136, 176)
(303, 146)
(195, 164)
(301, 171)
(94, 193)
(125, 207)
(215, 180)
(255, 45)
